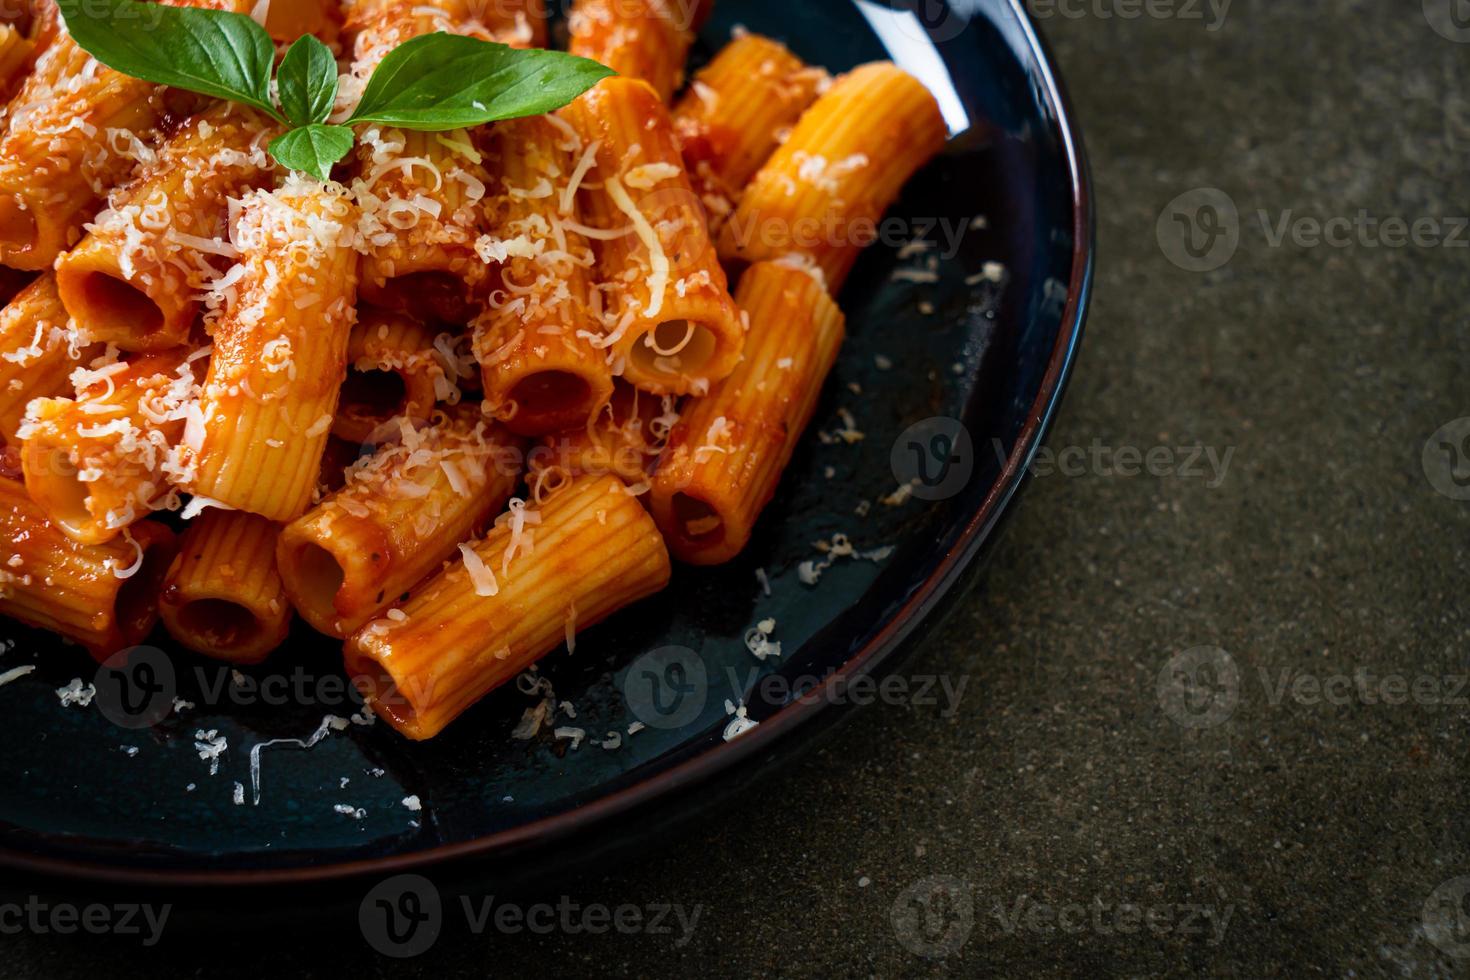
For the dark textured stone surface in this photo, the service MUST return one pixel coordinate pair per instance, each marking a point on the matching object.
(1324, 551)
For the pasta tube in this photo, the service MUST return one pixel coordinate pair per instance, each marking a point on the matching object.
(392, 370)
(96, 463)
(287, 20)
(674, 327)
(134, 280)
(513, 597)
(24, 39)
(536, 341)
(422, 197)
(624, 438)
(727, 453)
(518, 23)
(400, 515)
(75, 130)
(644, 39)
(421, 194)
(821, 194)
(104, 597)
(379, 26)
(15, 50)
(38, 351)
(736, 111)
(280, 352)
(222, 596)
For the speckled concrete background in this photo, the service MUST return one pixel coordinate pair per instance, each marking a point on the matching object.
(1062, 821)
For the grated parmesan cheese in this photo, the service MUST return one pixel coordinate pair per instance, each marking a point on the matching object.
(658, 279)
(480, 574)
(15, 674)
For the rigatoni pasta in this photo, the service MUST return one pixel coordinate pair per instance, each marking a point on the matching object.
(376, 27)
(538, 340)
(287, 20)
(452, 408)
(222, 596)
(624, 438)
(820, 195)
(400, 514)
(671, 322)
(75, 130)
(39, 349)
(393, 371)
(104, 597)
(735, 114)
(518, 23)
(726, 454)
(528, 586)
(24, 40)
(643, 39)
(280, 353)
(96, 463)
(421, 193)
(135, 280)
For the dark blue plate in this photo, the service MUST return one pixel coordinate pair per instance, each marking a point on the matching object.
(952, 382)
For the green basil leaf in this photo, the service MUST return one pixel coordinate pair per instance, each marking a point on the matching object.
(307, 82)
(212, 52)
(313, 149)
(444, 81)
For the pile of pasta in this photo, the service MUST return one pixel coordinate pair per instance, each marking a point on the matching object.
(452, 407)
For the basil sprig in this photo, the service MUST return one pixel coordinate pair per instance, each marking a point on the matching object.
(432, 83)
